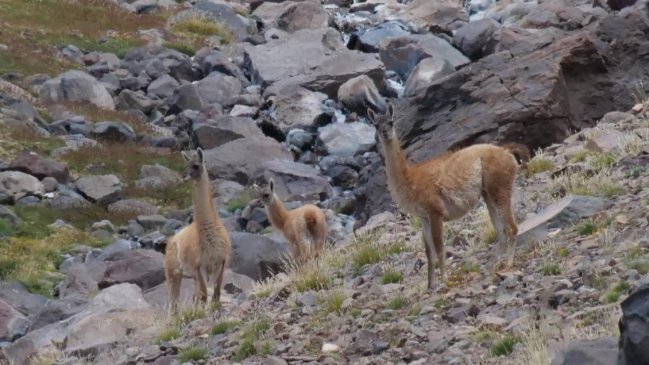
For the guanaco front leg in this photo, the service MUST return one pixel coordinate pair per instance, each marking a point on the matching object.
(436, 225)
(428, 246)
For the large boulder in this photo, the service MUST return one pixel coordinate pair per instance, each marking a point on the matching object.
(360, 93)
(157, 177)
(32, 163)
(601, 351)
(15, 185)
(219, 88)
(256, 256)
(324, 63)
(426, 71)
(100, 189)
(538, 97)
(240, 26)
(145, 268)
(441, 15)
(238, 160)
(18, 297)
(401, 54)
(76, 86)
(113, 132)
(347, 139)
(372, 196)
(368, 40)
(13, 324)
(58, 310)
(292, 16)
(296, 107)
(472, 37)
(634, 328)
(216, 132)
(294, 180)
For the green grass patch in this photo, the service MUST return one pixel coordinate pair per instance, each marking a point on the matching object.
(168, 334)
(6, 228)
(188, 315)
(538, 164)
(580, 156)
(587, 228)
(601, 161)
(182, 47)
(198, 28)
(193, 353)
(223, 327)
(397, 303)
(391, 276)
(313, 279)
(551, 268)
(240, 201)
(367, 251)
(249, 336)
(332, 302)
(635, 259)
(623, 287)
(504, 346)
(34, 262)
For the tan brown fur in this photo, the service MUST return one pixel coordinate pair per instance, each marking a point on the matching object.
(202, 249)
(305, 227)
(446, 187)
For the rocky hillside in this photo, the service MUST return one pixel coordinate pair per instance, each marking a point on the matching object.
(98, 98)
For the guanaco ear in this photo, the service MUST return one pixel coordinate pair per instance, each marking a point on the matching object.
(271, 185)
(390, 111)
(199, 151)
(185, 156)
(371, 115)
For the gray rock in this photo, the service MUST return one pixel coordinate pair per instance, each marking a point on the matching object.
(359, 93)
(258, 257)
(602, 351)
(219, 88)
(297, 107)
(13, 324)
(76, 86)
(151, 222)
(561, 214)
(102, 189)
(145, 268)
(50, 184)
(472, 37)
(324, 63)
(402, 54)
(347, 139)
(163, 87)
(445, 15)
(238, 160)
(369, 40)
(240, 26)
(303, 15)
(31, 163)
(66, 198)
(293, 180)
(18, 297)
(188, 98)
(224, 129)
(133, 207)
(113, 132)
(59, 309)
(117, 246)
(634, 329)
(14, 185)
(127, 100)
(157, 177)
(427, 70)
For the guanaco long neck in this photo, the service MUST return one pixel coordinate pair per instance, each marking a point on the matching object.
(396, 166)
(277, 212)
(204, 212)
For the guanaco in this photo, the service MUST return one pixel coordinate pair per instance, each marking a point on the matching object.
(201, 249)
(305, 227)
(446, 187)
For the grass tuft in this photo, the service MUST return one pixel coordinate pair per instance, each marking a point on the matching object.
(193, 353)
(551, 268)
(332, 302)
(188, 315)
(397, 302)
(250, 334)
(167, 335)
(223, 327)
(504, 346)
(391, 276)
(539, 163)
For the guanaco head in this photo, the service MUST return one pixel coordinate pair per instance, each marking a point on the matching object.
(267, 194)
(384, 123)
(194, 165)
